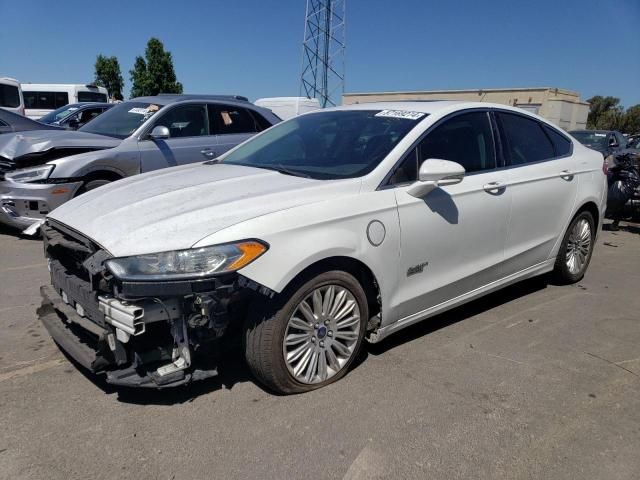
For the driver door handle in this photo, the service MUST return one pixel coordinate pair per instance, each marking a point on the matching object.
(567, 174)
(207, 152)
(494, 187)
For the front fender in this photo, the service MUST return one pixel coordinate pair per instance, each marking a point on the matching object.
(123, 163)
(302, 236)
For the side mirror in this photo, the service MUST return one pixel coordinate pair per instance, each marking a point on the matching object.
(436, 173)
(74, 124)
(159, 132)
(613, 142)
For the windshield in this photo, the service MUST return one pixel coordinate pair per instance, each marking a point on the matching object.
(591, 139)
(327, 145)
(59, 114)
(121, 120)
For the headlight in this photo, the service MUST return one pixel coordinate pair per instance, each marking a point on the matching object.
(183, 264)
(33, 174)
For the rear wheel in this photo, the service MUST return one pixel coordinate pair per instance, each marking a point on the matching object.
(576, 249)
(311, 337)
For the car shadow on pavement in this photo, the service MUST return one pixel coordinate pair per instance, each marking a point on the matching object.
(625, 226)
(476, 307)
(231, 371)
(232, 368)
(14, 232)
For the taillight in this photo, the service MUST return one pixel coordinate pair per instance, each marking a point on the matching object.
(605, 166)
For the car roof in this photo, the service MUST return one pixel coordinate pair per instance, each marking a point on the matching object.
(90, 104)
(429, 106)
(592, 131)
(168, 98)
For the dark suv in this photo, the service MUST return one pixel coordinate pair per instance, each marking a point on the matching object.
(606, 142)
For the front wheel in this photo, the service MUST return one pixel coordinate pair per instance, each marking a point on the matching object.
(576, 249)
(310, 338)
(92, 184)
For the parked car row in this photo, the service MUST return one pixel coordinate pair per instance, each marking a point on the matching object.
(314, 234)
(40, 170)
(36, 100)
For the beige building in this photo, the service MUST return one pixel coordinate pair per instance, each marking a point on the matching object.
(562, 107)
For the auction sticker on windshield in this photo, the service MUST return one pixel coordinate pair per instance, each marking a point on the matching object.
(400, 114)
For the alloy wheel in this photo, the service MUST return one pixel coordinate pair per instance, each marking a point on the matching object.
(578, 246)
(322, 334)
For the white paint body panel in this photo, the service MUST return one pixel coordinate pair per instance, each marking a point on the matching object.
(474, 240)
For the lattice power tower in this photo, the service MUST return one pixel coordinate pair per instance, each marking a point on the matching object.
(323, 51)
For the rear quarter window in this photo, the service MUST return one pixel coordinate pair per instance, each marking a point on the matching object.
(561, 144)
(228, 119)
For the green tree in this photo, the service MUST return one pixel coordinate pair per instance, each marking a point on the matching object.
(107, 74)
(604, 113)
(154, 74)
(632, 120)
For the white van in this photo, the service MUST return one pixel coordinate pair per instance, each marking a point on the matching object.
(288, 107)
(11, 95)
(42, 98)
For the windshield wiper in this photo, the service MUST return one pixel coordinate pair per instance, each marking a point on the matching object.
(286, 171)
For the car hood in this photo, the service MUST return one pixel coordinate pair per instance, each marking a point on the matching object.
(174, 208)
(16, 145)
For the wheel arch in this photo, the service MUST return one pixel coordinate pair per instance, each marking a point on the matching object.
(361, 272)
(588, 205)
(102, 174)
(591, 207)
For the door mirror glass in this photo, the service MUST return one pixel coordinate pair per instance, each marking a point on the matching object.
(159, 132)
(613, 142)
(436, 173)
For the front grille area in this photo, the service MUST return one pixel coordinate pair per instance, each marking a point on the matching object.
(67, 252)
(68, 248)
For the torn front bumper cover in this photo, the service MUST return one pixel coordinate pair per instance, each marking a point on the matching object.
(97, 348)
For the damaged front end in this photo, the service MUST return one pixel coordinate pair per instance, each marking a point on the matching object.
(138, 333)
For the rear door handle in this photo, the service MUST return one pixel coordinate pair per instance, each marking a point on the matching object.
(494, 187)
(207, 152)
(567, 174)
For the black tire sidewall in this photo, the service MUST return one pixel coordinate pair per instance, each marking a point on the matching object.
(92, 184)
(284, 308)
(561, 269)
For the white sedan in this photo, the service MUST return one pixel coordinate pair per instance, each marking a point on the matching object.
(332, 227)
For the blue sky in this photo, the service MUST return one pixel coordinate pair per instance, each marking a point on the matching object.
(253, 47)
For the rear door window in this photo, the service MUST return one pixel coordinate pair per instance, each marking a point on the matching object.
(185, 121)
(89, 114)
(525, 140)
(9, 96)
(228, 119)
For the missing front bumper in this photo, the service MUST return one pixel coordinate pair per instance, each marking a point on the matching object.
(97, 349)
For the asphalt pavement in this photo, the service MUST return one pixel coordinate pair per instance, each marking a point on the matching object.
(537, 381)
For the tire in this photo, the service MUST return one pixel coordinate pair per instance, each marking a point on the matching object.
(575, 250)
(92, 184)
(275, 364)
